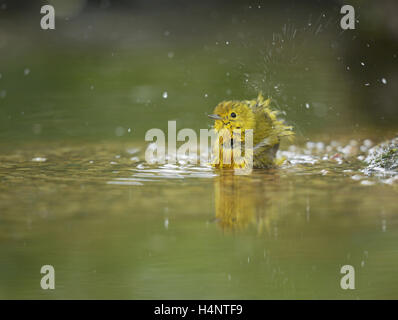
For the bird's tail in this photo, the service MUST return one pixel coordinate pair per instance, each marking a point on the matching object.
(282, 130)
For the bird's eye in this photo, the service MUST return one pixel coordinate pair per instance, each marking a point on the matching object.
(233, 115)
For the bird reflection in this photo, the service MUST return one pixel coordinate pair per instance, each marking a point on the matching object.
(242, 201)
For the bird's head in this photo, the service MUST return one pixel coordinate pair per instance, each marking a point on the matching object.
(233, 115)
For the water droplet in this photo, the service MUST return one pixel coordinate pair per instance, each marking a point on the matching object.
(383, 80)
(383, 225)
(367, 143)
(356, 177)
(36, 128)
(367, 183)
(119, 131)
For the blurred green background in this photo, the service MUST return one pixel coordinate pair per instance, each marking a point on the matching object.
(107, 65)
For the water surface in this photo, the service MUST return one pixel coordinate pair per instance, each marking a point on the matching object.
(116, 227)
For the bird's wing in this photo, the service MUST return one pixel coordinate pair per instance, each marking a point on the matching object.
(266, 142)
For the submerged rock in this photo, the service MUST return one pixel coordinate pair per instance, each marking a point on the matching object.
(383, 157)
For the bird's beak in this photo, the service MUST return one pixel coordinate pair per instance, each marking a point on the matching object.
(214, 116)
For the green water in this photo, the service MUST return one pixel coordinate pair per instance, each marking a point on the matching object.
(76, 193)
(113, 227)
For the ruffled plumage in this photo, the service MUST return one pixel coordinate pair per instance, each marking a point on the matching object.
(237, 116)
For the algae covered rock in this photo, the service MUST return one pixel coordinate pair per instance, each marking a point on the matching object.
(384, 156)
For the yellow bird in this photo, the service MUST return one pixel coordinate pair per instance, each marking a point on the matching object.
(232, 118)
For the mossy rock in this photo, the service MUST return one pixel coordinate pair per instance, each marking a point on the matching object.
(384, 156)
